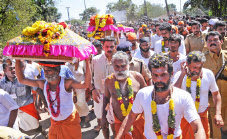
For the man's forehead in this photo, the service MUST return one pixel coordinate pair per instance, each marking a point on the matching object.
(160, 69)
(109, 43)
(120, 62)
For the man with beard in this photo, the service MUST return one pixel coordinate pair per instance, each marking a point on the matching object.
(174, 43)
(216, 60)
(145, 53)
(58, 91)
(120, 90)
(163, 105)
(28, 117)
(195, 41)
(220, 26)
(101, 68)
(135, 64)
(161, 46)
(198, 81)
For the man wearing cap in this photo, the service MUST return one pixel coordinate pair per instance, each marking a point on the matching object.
(216, 62)
(196, 40)
(135, 64)
(101, 68)
(145, 53)
(58, 91)
(220, 26)
(28, 117)
(161, 46)
(120, 90)
(133, 39)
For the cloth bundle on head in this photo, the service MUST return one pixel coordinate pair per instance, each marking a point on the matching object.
(51, 64)
(131, 36)
(181, 23)
(144, 25)
(144, 39)
(213, 21)
(125, 46)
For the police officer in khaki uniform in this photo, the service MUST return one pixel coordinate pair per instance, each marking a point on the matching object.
(195, 41)
(135, 64)
(216, 61)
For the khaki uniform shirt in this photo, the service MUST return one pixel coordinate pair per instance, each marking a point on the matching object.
(139, 66)
(101, 68)
(224, 45)
(194, 43)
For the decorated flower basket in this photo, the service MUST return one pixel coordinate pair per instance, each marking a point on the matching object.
(49, 42)
(101, 26)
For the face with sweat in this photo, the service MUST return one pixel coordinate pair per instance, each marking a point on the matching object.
(121, 68)
(51, 74)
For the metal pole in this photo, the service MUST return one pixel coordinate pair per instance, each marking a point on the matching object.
(68, 13)
(180, 6)
(85, 4)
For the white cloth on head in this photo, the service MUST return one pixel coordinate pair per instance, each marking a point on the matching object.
(139, 56)
(67, 106)
(181, 49)
(208, 83)
(183, 107)
(7, 104)
(31, 70)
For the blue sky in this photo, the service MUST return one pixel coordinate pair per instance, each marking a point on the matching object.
(77, 6)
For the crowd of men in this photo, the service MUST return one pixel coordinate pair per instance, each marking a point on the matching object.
(165, 80)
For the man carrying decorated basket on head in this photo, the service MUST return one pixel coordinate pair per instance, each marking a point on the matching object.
(58, 91)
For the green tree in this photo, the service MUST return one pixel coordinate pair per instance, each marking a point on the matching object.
(132, 13)
(118, 6)
(14, 17)
(172, 7)
(152, 10)
(88, 13)
(214, 7)
(76, 22)
(46, 11)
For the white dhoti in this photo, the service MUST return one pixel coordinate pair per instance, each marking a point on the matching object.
(98, 107)
(81, 104)
(26, 121)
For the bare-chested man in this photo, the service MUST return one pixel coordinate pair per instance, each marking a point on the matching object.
(120, 90)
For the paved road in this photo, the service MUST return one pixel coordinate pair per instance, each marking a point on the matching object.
(87, 133)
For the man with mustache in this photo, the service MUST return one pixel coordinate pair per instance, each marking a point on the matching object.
(174, 42)
(119, 88)
(216, 58)
(161, 46)
(198, 81)
(58, 91)
(196, 40)
(133, 39)
(101, 68)
(220, 26)
(163, 105)
(145, 53)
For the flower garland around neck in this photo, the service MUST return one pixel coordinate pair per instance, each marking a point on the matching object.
(51, 101)
(198, 85)
(130, 96)
(171, 120)
(163, 47)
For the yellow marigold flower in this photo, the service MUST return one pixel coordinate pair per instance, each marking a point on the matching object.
(129, 81)
(171, 104)
(117, 85)
(188, 82)
(153, 107)
(199, 82)
(170, 136)
(129, 108)
(119, 98)
(197, 105)
(160, 137)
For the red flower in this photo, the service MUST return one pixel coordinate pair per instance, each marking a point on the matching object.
(109, 21)
(44, 32)
(120, 101)
(92, 21)
(63, 24)
(131, 100)
(197, 99)
(171, 131)
(158, 133)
